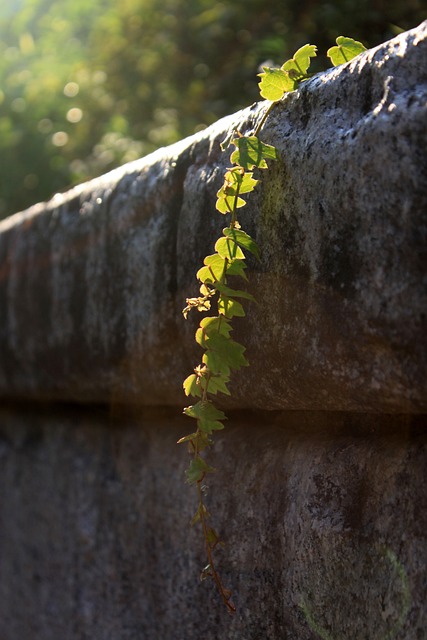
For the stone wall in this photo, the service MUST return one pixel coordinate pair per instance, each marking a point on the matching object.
(320, 493)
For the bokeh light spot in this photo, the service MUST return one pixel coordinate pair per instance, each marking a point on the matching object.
(71, 89)
(60, 138)
(74, 115)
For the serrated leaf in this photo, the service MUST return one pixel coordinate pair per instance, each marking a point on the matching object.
(230, 308)
(227, 248)
(191, 388)
(346, 50)
(217, 324)
(213, 538)
(228, 203)
(237, 180)
(213, 270)
(243, 240)
(228, 353)
(218, 384)
(251, 152)
(198, 469)
(233, 293)
(234, 268)
(201, 511)
(300, 62)
(237, 268)
(191, 436)
(275, 83)
(204, 410)
(215, 363)
(207, 426)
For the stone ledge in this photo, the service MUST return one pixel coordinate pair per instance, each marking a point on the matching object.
(92, 283)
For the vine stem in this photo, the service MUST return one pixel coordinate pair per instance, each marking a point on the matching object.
(218, 582)
(264, 118)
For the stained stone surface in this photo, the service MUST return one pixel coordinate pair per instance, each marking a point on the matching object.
(92, 283)
(324, 515)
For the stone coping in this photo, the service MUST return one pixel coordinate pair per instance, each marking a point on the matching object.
(93, 282)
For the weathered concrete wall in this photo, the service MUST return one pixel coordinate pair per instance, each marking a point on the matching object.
(324, 517)
(321, 489)
(341, 220)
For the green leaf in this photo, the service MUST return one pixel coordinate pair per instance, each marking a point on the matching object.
(346, 50)
(201, 511)
(230, 352)
(218, 384)
(199, 440)
(214, 269)
(217, 266)
(275, 83)
(204, 410)
(197, 469)
(213, 538)
(215, 363)
(190, 386)
(230, 308)
(216, 324)
(300, 61)
(237, 180)
(200, 337)
(228, 203)
(227, 248)
(191, 436)
(242, 239)
(207, 426)
(251, 152)
(233, 293)
(237, 268)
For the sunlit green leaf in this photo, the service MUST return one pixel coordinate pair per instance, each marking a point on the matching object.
(300, 61)
(230, 308)
(230, 351)
(237, 181)
(233, 293)
(218, 384)
(228, 203)
(275, 83)
(227, 248)
(251, 152)
(346, 50)
(237, 268)
(216, 324)
(214, 269)
(214, 362)
(200, 337)
(242, 239)
(190, 386)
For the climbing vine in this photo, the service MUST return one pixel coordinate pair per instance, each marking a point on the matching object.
(221, 299)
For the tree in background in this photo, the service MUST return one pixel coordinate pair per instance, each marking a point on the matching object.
(85, 87)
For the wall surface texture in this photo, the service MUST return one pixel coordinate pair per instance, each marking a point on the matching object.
(320, 492)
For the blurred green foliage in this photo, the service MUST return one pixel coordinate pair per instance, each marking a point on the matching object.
(87, 86)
